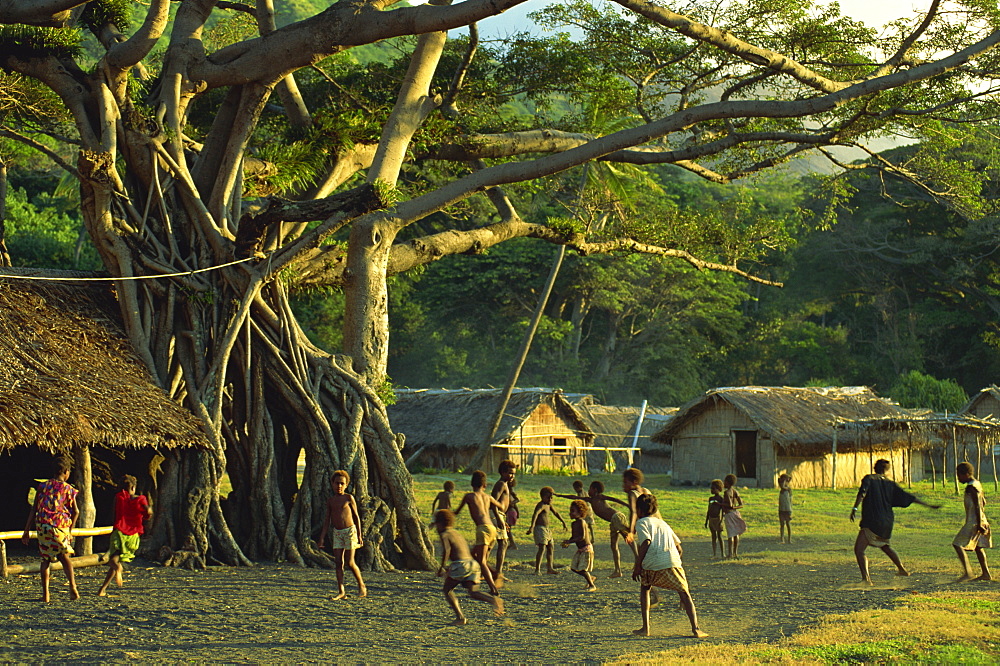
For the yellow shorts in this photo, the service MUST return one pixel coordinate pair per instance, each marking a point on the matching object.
(619, 523)
(486, 535)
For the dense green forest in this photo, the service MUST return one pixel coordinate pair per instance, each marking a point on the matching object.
(892, 290)
(886, 284)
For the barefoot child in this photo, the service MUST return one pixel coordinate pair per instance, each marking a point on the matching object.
(461, 568)
(583, 558)
(877, 496)
(513, 513)
(632, 479)
(342, 516)
(713, 517)
(659, 564)
(131, 511)
(501, 493)
(542, 531)
(54, 514)
(598, 501)
(785, 507)
(443, 498)
(480, 504)
(731, 518)
(975, 534)
(580, 494)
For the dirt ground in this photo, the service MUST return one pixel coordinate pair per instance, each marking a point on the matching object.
(281, 613)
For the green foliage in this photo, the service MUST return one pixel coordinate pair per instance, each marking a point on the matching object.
(40, 236)
(98, 13)
(915, 389)
(27, 41)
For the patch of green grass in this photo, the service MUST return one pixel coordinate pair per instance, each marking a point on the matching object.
(963, 602)
(859, 653)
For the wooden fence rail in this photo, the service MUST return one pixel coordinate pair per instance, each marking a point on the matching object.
(83, 561)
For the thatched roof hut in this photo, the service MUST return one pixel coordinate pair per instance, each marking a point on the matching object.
(69, 378)
(443, 427)
(758, 432)
(986, 403)
(614, 428)
(68, 375)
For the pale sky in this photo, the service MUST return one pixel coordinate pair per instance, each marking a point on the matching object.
(875, 13)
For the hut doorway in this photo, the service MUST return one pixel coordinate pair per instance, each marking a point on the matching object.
(745, 445)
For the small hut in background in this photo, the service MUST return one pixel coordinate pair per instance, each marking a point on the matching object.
(761, 432)
(985, 405)
(941, 438)
(70, 383)
(616, 445)
(540, 429)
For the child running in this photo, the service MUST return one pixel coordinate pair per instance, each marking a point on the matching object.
(542, 531)
(713, 517)
(342, 516)
(975, 534)
(583, 558)
(580, 494)
(54, 515)
(480, 504)
(659, 564)
(461, 568)
(598, 501)
(443, 498)
(501, 493)
(785, 508)
(131, 511)
(513, 513)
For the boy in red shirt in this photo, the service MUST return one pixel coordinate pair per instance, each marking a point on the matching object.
(131, 511)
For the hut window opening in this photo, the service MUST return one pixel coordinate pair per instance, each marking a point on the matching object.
(746, 453)
(559, 444)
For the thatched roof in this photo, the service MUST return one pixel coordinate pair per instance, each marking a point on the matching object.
(991, 391)
(460, 418)
(615, 426)
(798, 419)
(68, 374)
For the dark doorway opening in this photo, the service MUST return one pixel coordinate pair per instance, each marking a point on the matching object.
(746, 453)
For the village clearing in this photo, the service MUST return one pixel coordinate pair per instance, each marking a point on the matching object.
(778, 603)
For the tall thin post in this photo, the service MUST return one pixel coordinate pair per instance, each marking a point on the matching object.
(833, 453)
(515, 372)
(954, 449)
(635, 437)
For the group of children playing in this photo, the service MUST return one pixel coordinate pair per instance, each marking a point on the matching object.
(655, 546)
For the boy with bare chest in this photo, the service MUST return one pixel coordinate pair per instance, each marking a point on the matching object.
(342, 516)
(480, 503)
(458, 567)
(619, 521)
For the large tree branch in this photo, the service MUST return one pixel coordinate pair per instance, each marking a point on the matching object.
(326, 265)
(8, 133)
(339, 27)
(131, 52)
(44, 13)
(457, 190)
(725, 41)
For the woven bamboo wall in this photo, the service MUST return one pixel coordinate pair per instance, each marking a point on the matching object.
(542, 428)
(703, 449)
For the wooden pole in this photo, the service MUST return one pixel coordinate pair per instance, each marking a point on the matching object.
(909, 457)
(993, 457)
(83, 561)
(954, 448)
(83, 478)
(833, 474)
(930, 454)
(3, 559)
